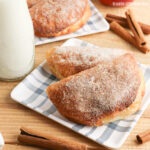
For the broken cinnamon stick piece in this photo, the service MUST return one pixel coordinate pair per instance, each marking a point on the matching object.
(36, 138)
(135, 28)
(143, 137)
(125, 34)
(123, 21)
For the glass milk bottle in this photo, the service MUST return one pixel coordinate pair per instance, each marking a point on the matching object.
(16, 40)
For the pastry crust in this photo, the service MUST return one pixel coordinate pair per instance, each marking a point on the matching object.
(69, 60)
(54, 18)
(109, 91)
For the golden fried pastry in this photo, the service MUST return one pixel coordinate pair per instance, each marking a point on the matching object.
(32, 2)
(58, 17)
(69, 60)
(107, 92)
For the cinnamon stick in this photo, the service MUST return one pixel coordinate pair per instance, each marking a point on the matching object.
(36, 138)
(123, 21)
(122, 32)
(143, 137)
(135, 28)
(117, 17)
(119, 21)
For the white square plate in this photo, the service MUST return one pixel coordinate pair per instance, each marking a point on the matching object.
(95, 24)
(31, 93)
(1, 141)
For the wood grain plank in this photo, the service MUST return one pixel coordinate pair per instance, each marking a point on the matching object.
(20, 147)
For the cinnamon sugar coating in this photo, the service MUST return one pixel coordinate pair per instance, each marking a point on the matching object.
(53, 16)
(99, 92)
(68, 60)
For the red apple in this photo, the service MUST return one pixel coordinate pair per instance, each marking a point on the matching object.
(116, 3)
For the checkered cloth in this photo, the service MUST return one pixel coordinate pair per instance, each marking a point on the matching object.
(95, 24)
(31, 93)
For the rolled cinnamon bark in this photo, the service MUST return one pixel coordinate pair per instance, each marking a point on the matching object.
(119, 21)
(117, 17)
(123, 21)
(36, 138)
(143, 137)
(135, 28)
(122, 32)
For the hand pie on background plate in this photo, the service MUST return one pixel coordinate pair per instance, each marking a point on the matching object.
(53, 18)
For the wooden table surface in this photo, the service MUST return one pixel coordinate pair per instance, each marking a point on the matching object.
(14, 115)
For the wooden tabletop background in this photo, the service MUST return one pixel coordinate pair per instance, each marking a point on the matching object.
(14, 115)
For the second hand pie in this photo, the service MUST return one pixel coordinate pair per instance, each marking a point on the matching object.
(107, 92)
(64, 61)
